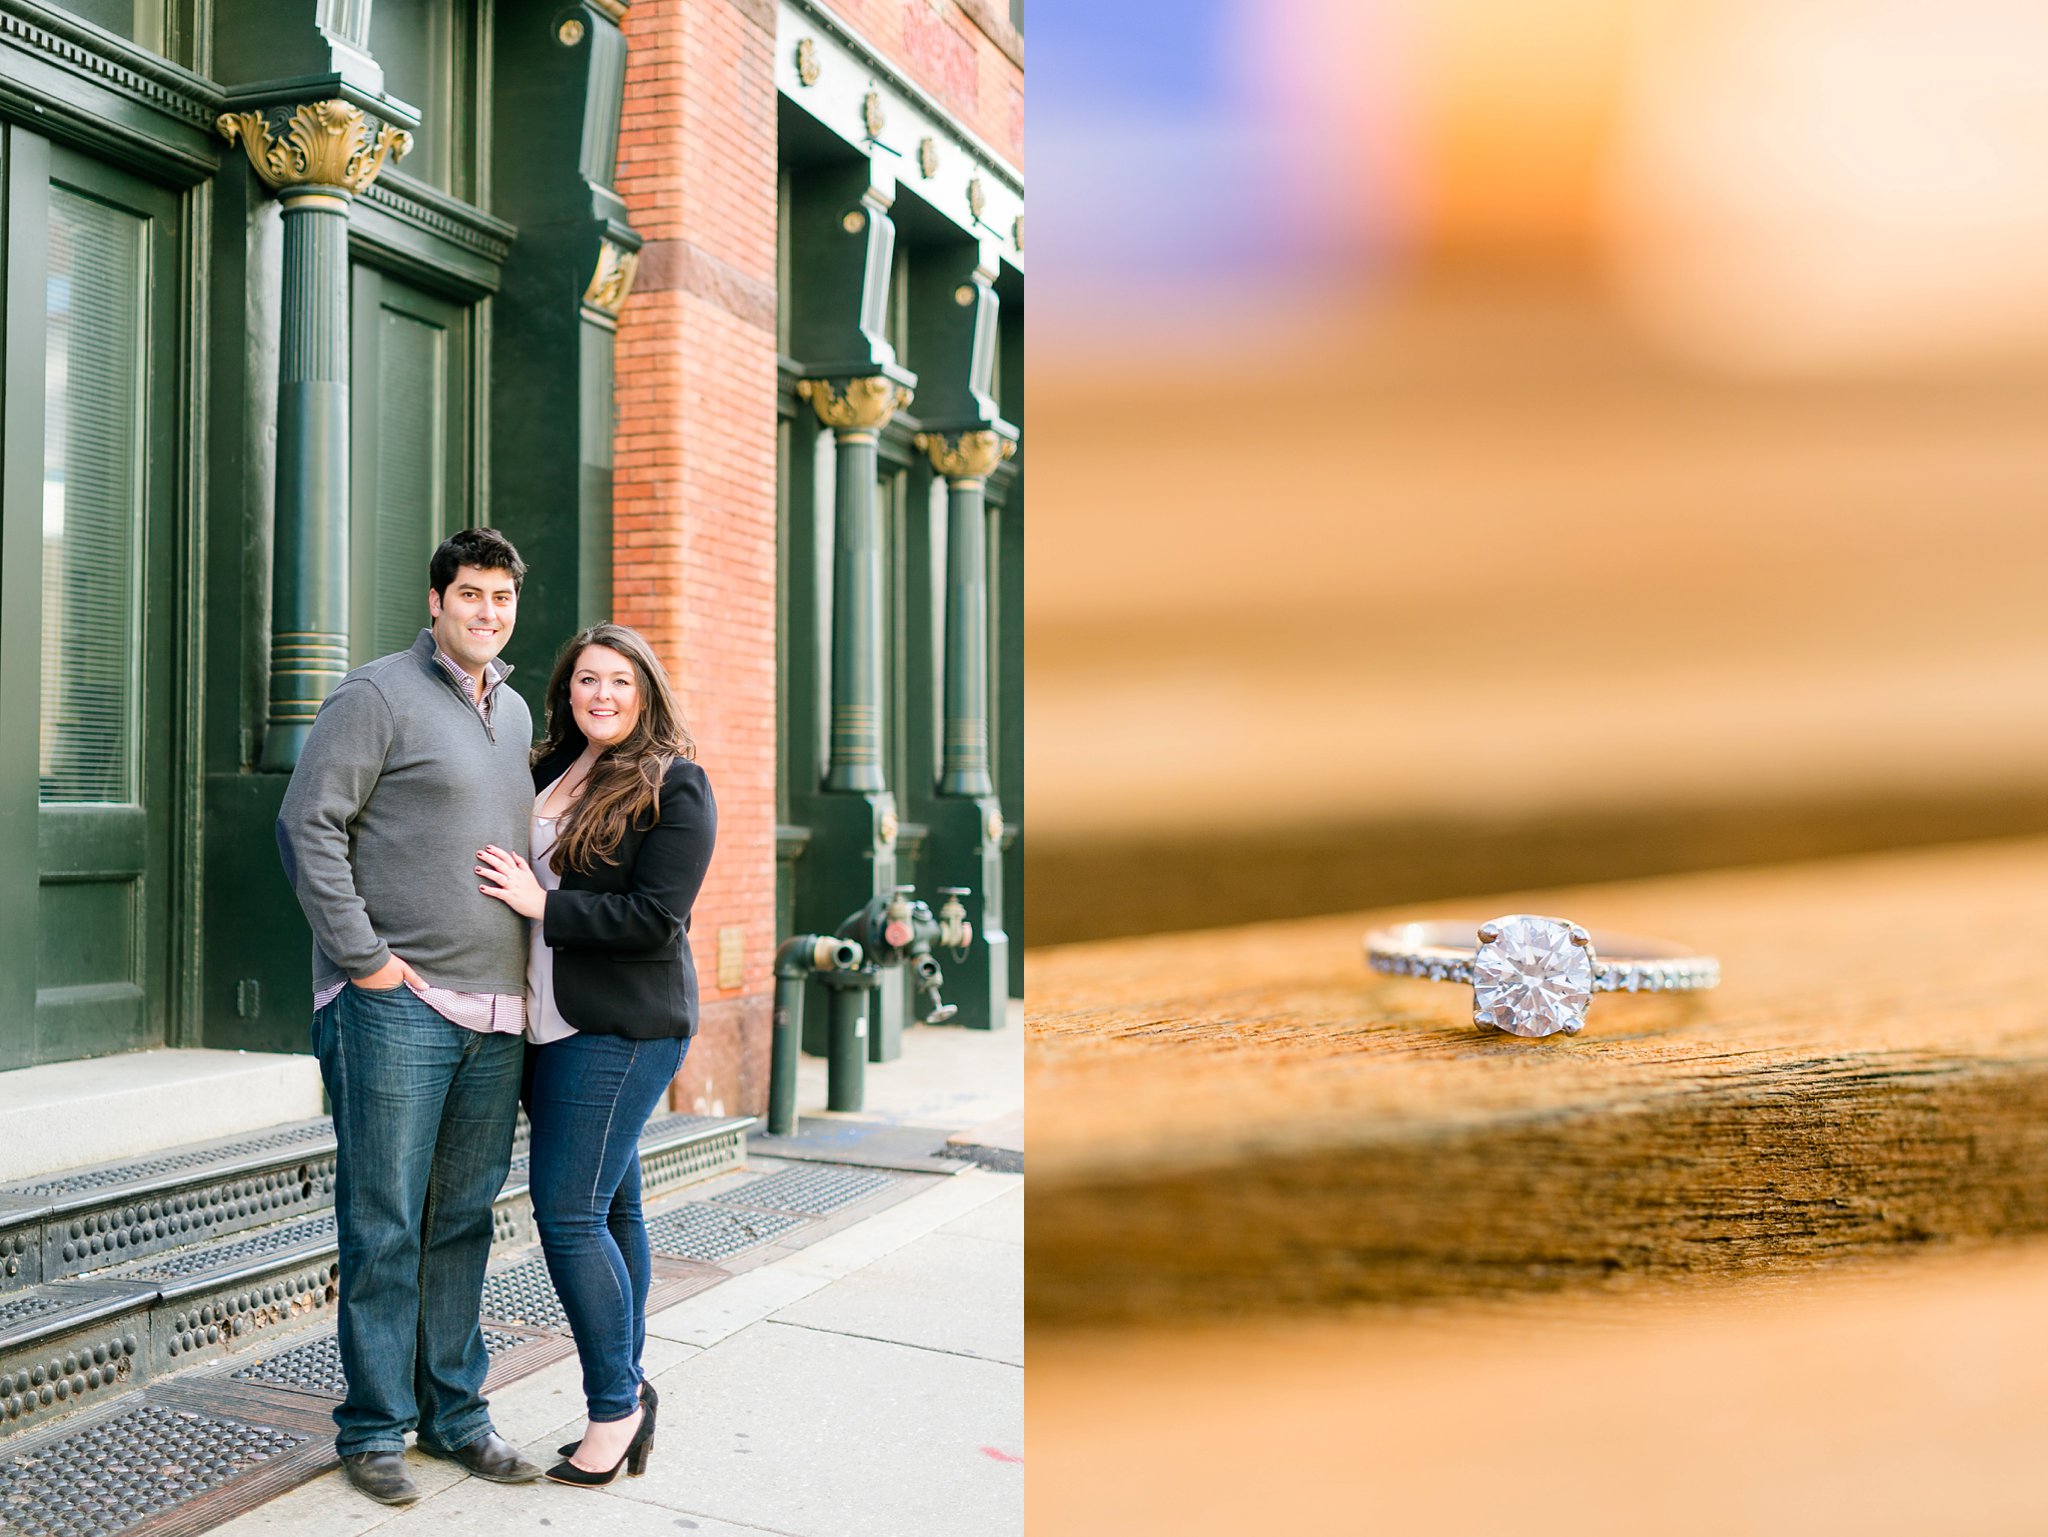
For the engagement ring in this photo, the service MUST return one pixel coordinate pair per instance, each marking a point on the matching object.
(1534, 976)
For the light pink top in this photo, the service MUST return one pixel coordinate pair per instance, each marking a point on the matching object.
(544, 1022)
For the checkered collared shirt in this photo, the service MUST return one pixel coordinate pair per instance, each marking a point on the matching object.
(489, 1013)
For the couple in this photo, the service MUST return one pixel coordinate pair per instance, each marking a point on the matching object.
(481, 910)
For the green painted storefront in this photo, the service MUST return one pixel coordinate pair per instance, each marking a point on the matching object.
(166, 499)
(901, 349)
(236, 417)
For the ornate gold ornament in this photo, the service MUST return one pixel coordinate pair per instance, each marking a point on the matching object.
(854, 222)
(970, 456)
(964, 295)
(807, 61)
(888, 826)
(862, 404)
(928, 156)
(977, 196)
(570, 32)
(613, 279)
(871, 114)
(994, 827)
(320, 144)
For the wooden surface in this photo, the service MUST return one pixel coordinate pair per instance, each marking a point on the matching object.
(1247, 1120)
(1390, 612)
(1898, 1403)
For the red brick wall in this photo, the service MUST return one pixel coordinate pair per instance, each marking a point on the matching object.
(694, 479)
(938, 45)
(694, 482)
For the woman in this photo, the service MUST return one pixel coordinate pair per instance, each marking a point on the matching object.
(623, 823)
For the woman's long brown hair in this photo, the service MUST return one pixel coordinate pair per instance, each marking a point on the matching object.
(624, 787)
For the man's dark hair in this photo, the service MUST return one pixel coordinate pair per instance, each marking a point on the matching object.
(484, 548)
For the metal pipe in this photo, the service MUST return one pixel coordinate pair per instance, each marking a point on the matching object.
(929, 978)
(795, 961)
(788, 1034)
(847, 1065)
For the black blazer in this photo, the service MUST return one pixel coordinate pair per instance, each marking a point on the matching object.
(621, 933)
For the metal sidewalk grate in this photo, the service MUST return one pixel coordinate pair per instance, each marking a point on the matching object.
(318, 1133)
(183, 1264)
(118, 1472)
(815, 1192)
(315, 1367)
(523, 1294)
(697, 1230)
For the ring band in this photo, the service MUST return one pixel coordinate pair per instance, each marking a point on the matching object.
(1532, 975)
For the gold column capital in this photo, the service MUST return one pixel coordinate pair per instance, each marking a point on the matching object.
(862, 404)
(613, 279)
(966, 455)
(315, 144)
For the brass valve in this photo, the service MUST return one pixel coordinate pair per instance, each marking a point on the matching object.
(955, 932)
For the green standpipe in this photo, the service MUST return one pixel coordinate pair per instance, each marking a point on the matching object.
(846, 1063)
(797, 960)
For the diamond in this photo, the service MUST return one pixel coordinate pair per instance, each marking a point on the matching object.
(1532, 979)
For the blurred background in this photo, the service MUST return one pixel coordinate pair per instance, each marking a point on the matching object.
(1483, 444)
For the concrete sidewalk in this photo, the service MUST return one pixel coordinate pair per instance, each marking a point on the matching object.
(869, 1385)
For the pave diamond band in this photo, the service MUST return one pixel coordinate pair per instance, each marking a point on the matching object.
(1532, 975)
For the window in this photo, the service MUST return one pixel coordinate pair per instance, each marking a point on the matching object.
(92, 499)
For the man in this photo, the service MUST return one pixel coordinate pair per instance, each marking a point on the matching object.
(416, 761)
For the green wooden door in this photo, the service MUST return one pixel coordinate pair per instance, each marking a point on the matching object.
(89, 573)
(409, 460)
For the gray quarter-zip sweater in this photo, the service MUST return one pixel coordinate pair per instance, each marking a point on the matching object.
(399, 784)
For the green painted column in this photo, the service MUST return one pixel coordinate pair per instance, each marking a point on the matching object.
(856, 413)
(841, 243)
(953, 318)
(965, 462)
(316, 157)
(967, 820)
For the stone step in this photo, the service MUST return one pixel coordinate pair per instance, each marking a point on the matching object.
(64, 1114)
(163, 1299)
(78, 1221)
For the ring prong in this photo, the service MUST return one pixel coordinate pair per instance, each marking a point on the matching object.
(1580, 937)
(1488, 932)
(1575, 1028)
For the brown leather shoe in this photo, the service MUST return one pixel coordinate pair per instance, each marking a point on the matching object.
(490, 1456)
(382, 1476)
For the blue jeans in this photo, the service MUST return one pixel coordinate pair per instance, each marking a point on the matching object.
(588, 1098)
(423, 1118)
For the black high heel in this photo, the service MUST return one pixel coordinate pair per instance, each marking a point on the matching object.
(633, 1461)
(648, 1398)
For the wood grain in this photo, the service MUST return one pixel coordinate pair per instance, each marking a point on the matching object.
(1246, 1119)
(1891, 1403)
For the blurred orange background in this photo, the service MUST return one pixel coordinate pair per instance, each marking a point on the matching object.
(1481, 444)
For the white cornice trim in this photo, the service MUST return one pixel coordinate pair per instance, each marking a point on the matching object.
(848, 68)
